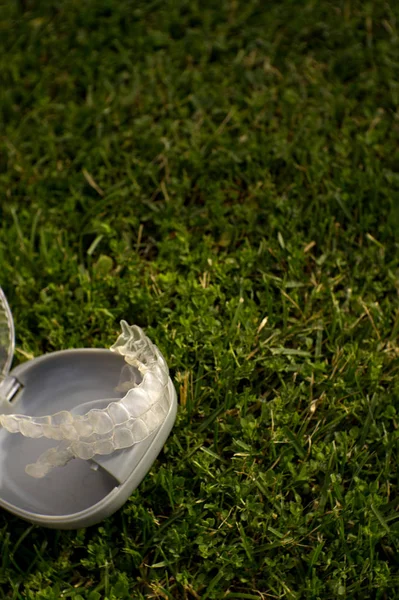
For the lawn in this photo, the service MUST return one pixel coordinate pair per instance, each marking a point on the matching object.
(225, 175)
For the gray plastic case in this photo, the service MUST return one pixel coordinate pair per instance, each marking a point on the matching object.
(81, 493)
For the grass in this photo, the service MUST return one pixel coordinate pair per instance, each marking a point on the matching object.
(225, 175)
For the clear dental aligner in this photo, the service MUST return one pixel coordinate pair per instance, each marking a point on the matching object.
(102, 431)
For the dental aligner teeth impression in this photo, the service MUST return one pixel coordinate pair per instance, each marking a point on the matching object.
(100, 432)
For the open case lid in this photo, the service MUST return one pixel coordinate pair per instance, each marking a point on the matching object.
(6, 337)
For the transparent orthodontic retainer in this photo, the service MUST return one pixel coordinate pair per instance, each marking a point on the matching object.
(79, 429)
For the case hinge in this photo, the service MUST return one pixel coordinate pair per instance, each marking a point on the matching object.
(9, 388)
